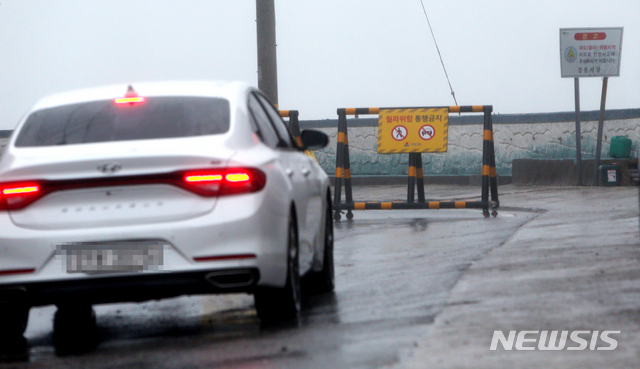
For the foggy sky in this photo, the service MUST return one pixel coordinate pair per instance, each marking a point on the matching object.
(331, 53)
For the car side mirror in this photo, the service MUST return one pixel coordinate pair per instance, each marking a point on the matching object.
(313, 140)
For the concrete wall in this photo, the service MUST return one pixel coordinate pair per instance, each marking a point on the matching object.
(516, 136)
(521, 136)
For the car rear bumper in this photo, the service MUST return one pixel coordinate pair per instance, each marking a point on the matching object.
(130, 288)
(246, 225)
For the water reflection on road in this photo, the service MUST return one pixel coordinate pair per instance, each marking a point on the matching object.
(394, 271)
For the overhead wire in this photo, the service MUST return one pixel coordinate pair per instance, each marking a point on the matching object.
(453, 94)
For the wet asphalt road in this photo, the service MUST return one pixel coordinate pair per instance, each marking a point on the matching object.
(394, 272)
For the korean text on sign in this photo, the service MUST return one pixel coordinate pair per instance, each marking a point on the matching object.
(413, 130)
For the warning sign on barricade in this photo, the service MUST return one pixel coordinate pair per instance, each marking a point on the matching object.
(413, 130)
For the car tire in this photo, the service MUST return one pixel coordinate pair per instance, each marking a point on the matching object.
(74, 329)
(14, 318)
(13, 348)
(13, 345)
(283, 304)
(324, 279)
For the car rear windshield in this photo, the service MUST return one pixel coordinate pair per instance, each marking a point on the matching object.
(105, 121)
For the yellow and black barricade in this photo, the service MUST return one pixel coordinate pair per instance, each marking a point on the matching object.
(294, 128)
(415, 175)
(294, 124)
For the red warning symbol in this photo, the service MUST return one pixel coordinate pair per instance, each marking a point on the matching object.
(427, 132)
(399, 133)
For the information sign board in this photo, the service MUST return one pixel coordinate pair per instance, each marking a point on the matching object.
(590, 52)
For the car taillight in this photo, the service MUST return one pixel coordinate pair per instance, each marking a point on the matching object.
(238, 177)
(18, 195)
(131, 97)
(130, 100)
(204, 182)
(228, 181)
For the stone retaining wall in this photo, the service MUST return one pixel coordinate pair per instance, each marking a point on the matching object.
(526, 136)
(516, 136)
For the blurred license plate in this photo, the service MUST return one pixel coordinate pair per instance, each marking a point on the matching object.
(120, 257)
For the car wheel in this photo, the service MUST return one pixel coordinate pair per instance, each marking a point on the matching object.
(13, 345)
(74, 329)
(324, 280)
(283, 304)
(14, 318)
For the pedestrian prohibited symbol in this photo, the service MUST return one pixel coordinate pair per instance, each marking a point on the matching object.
(399, 133)
(427, 132)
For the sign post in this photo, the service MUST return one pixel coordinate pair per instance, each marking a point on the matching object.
(267, 60)
(590, 52)
(576, 83)
(414, 131)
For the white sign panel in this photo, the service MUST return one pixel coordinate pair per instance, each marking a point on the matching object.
(590, 52)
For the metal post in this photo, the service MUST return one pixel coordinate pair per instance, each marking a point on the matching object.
(267, 61)
(578, 133)
(348, 194)
(493, 175)
(419, 177)
(603, 101)
(342, 128)
(486, 165)
(294, 126)
(412, 178)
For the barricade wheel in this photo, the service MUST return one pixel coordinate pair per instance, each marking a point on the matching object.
(349, 215)
(486, 213)
(337, 216)
(494, 213)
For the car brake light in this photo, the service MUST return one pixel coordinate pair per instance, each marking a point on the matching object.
(18, 195)
(229, 181)
(203, 178)
(130, 100)
(20, 190)
(130, 97)
(237, 177)
(206, 182)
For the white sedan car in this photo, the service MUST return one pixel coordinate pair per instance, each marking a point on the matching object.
(155, 190)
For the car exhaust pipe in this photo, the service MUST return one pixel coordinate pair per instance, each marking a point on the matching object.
(231, 279)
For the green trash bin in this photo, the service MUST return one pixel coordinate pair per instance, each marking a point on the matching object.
(620, 147)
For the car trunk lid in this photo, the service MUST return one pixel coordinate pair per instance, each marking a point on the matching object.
(110, 184)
